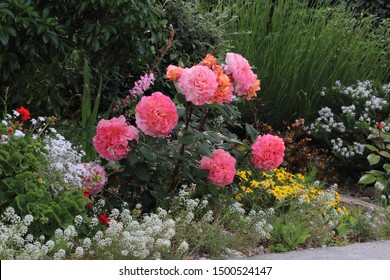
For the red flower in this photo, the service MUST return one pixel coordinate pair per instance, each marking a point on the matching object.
(86, 194)
(379, 125)
(103, 218)
(88, 205)
(24, 113)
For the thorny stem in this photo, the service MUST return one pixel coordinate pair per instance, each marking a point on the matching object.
(189, 111)
(203, 118)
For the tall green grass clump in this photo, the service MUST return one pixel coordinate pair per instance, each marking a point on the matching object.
(297, 48)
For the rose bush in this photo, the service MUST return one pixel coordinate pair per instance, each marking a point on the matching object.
(184, 139)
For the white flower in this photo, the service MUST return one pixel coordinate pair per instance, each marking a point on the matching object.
(60, 254)
(79, 251)
(379, 186)
(18, 133)
(183, 247)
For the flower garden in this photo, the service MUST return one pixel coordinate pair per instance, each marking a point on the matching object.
(147, 134)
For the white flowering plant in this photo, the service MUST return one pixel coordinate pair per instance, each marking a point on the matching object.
(26, 174)
(345, 124)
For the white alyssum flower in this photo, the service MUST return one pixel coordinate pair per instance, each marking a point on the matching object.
(79, 251)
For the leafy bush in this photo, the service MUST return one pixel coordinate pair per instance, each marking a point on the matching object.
(43, 45)
(302, 154)
(379, 156)
(345, 124)
(298, 49)
(24, 186)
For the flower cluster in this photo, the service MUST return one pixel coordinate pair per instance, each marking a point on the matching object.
(143, 84)
(283, 186)
(363, 105)
(245, 81)
(209, 82)
(64, 163)
(206, 83)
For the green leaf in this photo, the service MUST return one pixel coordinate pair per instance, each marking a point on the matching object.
(132, 158)
(367, 179)
(373, 159)
(4, 155)
(384, 154)
(371, 148)
(187, 138)
(252, 132)
(4, 37)
(204, 149)
(142, 172)
(148, 153)
(386, 167)
(376, 173)
(213, 137)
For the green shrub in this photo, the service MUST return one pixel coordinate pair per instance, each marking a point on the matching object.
(24, 187)
(43, 44)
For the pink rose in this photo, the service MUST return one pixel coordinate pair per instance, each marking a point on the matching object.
(95, 179)
(156, 115)
(222, 167)
(245, 81)
(111, 139)
(268, 152)
(198, 84)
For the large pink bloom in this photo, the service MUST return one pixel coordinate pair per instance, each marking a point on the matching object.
(198, 84)
(245, 81)
(156, 115)
(95, 179)
(111, 139)
(222, 167)
(268, 152)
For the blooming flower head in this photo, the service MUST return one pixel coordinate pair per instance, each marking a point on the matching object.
(209, 60)
(173, 72)
(245, 81)
(198, 84)
(24, 113)
(104, 219)
(111, 139)
(268, 152)
(222, 167)
(143, 84)
(224, 93)
(96, 178)
(156, 115)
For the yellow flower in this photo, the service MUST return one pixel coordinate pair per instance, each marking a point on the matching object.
(255, 184)
(300, 177)
(248, 190)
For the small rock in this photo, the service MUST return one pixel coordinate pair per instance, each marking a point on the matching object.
(353, 202)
